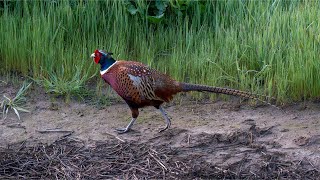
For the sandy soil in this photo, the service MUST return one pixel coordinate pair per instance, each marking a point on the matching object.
(223, 132)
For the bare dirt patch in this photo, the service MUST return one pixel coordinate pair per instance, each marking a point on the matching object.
(206, 140)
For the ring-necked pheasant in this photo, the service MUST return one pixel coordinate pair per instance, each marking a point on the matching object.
(142, 86)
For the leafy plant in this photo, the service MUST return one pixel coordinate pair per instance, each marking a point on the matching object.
(159, 11)
(64, 86)
(15, 103)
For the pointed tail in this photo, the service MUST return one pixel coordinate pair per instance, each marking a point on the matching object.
(233, 92)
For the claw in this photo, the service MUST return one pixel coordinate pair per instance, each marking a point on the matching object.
(165, 128)
(122, 130)
(126, 129)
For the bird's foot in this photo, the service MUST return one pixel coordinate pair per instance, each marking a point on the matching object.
(168, 122)
(165, 128)
(122, 130)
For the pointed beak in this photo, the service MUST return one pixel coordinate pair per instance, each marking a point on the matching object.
(92, 55)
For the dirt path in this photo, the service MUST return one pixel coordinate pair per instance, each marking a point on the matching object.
(221, 133)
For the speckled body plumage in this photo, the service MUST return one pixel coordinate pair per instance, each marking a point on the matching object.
(141, 86)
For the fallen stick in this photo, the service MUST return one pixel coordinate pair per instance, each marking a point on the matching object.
(16, 125)
(54, 131)
(115, 136)
(158, 161)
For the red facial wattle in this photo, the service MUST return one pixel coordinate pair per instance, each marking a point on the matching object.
(97, 58)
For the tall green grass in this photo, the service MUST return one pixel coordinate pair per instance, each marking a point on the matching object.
(269, 47)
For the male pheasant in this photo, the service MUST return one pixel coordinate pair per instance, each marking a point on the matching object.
(142, 86)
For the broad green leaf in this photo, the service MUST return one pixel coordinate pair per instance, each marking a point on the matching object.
(132, 9)
(161, 6)
(155, 19)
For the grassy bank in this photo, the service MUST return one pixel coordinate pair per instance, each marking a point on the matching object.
(268, 48)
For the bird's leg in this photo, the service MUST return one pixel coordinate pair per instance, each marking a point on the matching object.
(168, 122)
(126, 129)
(135, 114)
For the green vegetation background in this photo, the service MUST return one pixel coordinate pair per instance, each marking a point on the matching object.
(266, 47)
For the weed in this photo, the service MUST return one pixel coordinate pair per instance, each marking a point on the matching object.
(15, 103)
(63, 86)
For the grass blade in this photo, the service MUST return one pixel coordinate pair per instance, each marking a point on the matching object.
(17, 113)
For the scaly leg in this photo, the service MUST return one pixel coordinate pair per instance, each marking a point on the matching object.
(135, 114)
(168, 122)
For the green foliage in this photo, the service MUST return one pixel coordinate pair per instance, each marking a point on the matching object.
(162, 11)
(61, 85)
(153, 11)
(267, 47)
(15, 103)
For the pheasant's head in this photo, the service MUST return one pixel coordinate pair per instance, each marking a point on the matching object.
(99, 55)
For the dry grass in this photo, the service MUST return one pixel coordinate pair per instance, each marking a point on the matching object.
(69, 158)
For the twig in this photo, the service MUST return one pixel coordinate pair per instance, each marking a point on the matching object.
(54, 131)
(115, 137)
(16, 125)
(310, 163)
(158, 161)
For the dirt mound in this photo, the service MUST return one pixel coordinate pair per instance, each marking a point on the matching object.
(159, 158)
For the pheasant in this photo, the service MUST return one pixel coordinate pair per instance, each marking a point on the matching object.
(141, 86)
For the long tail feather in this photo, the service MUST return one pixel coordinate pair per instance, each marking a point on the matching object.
(233, 92)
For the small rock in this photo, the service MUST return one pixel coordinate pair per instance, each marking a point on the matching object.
(301, 141)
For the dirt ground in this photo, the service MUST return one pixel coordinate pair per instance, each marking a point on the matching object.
(224, 135)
